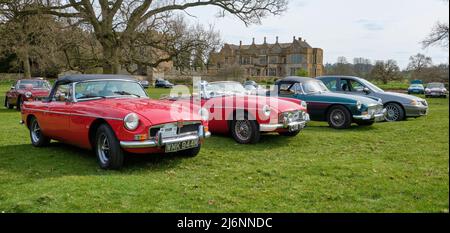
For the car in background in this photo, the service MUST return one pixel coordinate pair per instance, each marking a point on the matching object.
(232, 111)
(416, 89)
(161, 83)
(339, 110)
(112, 114)
(26, 90)
(436, 90)
(144, 83)
(250, 85)
(398, 106)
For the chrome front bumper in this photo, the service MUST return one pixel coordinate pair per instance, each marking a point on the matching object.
(158, 141)
(374, 116)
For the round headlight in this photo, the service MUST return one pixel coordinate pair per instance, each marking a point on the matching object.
(358, 105)
(131, 121)
(28, 94)
(266, 110)
(204, 114)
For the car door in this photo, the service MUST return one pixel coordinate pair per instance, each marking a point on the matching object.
(57, 117)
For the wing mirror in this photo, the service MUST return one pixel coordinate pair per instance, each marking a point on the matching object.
(366, 90)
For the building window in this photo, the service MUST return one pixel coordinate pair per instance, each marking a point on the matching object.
(245, 60)
(296, 58)
(273, 59)
(263, 60)
(272, 71)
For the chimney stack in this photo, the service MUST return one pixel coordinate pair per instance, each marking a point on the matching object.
(277, 40)
(299, 38)
(240, 43)
(265, 40)
(253, 40)
(294, 38)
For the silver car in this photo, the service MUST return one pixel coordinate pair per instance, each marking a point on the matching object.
(398, 106)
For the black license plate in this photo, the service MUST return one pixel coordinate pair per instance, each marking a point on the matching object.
(174, 147)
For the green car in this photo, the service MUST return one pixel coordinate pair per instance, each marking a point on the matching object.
(339, 110)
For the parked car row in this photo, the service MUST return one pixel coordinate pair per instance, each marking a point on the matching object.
(112, 114)
(433, 89)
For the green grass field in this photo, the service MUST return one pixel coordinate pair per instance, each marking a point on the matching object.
(388, 167)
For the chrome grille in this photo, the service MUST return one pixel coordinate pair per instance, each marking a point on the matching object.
(186, 128)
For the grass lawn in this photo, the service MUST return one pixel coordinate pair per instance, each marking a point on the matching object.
(388, 167)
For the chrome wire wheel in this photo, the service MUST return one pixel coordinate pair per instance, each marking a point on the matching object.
(35, 132)
(392, 113)
(337, 117)
(103, 149)
(243, 130)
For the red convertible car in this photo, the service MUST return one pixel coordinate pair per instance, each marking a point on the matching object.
(25, 90)
(246, 117)
(112, 114)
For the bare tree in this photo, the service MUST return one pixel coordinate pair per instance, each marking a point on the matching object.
(438, 35)
(419, 62)
(115, 21)
(385, 71)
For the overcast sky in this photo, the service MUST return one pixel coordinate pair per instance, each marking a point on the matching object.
(374, 29)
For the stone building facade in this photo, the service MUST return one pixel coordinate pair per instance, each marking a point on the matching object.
(277, 60)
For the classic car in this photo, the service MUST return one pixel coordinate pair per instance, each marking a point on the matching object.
(250, 85)
(246, 117)
(144, 83)
(161, 83)
(416, 89)
(112, 114)
(339, 110)
(26, 90)
(399, 106)
(436, 89)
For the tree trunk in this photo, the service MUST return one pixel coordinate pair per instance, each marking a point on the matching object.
(111, 63)
(25, 60)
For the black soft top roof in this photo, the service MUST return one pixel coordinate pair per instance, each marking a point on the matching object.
(294, 79)
(87, 77)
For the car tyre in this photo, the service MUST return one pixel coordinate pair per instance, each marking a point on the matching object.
(19, 103)
(38, 139)
(394, 112)
(289, 133)
(339, 117)
(107, 148)
(245, 131)
(7, 105)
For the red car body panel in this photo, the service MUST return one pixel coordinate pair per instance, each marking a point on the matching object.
(70, 122)
(222, 108)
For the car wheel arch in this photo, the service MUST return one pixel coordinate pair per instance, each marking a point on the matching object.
(245, 112)
(29, 117)
(327, 111)
(395, 102)
(93, 129)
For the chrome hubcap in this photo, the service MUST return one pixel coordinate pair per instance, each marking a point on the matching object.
(337, 117)
(393, 113)
(103, 149)
(35, 132)
(243, 130)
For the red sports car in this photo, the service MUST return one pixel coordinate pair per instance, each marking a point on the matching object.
(231, 110)
(112, 114)
(25, 90)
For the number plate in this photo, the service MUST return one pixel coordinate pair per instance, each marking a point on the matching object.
(168, 131)
(174, 147)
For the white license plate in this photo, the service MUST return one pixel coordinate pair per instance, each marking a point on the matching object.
(174, 147)
(168, 131)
